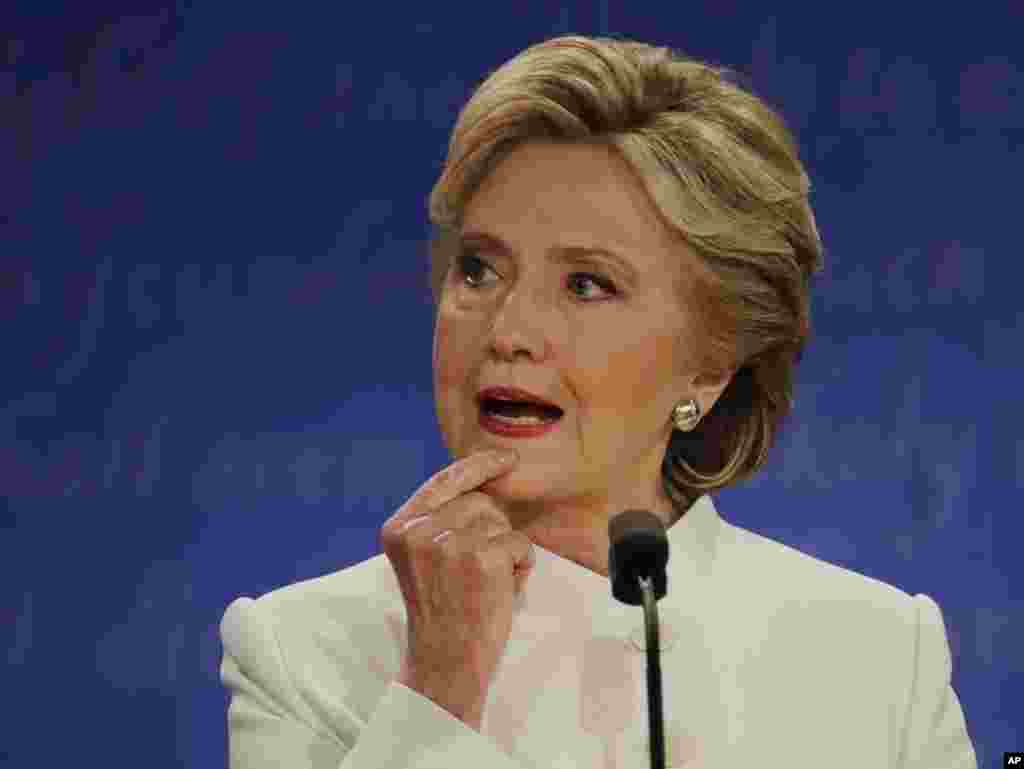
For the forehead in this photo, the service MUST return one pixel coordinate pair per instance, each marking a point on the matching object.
(571, 189)
(544, 193)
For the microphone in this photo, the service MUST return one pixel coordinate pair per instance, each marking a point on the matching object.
(637, 556)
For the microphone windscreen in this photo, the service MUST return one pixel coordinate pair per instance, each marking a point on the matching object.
(637, 547)
(633, 521)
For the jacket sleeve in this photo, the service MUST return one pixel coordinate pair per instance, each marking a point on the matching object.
(935, 734)
(271, 726)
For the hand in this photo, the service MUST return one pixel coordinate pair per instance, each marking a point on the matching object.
(458, 562)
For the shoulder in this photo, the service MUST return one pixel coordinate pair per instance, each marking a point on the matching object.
(803, 594)
(790, 582)
(324, 649)
(350, 596)
(352, 590)
(812, 626)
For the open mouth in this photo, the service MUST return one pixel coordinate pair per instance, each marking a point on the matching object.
(519, 412)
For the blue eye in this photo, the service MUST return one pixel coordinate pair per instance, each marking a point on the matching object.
(467, 265)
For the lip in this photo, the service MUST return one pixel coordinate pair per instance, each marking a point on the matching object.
(497, 427)
(514, 394)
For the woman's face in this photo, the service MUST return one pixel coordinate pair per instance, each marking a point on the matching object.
(609, 345)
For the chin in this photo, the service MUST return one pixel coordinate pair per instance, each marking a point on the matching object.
(512, 484)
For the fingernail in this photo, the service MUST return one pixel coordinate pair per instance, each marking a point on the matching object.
(413, 521)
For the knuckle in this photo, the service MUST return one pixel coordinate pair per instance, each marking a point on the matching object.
(442, 541)
(449, 475)
(392, 530)
(389, 534)
(458, 470)
(484, 504)
(493, 562)
(399, 535)
(479, 560)
(425, 542)
(476, 498)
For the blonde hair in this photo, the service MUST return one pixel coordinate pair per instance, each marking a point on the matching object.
(722, 169)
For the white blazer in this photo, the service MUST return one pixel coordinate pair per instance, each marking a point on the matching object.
(770, 657)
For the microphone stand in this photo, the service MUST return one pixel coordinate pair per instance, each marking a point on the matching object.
(637, 556)
(654, 708)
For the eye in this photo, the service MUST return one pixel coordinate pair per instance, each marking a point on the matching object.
(601, 282)
(468, 264)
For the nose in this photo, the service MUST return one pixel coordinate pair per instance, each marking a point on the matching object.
(519, 326)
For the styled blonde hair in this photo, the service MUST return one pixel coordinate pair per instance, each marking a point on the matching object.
(722, 169)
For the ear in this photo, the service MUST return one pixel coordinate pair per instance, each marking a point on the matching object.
(708, 388)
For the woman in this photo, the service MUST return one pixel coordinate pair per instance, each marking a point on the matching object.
(621, 275)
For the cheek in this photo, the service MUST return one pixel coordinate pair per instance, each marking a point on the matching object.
(646, 373)
(450, 357)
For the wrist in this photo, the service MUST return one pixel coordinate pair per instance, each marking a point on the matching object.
(466, 708)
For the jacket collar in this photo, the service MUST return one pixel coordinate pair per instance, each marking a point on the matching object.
(561, 593)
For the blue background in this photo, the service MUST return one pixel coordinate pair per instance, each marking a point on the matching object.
(216, 328)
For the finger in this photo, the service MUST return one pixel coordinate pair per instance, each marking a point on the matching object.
(474, 530)
(488, 541)
(460, 477)
(473, 519)
(519, 546)
(466, 513)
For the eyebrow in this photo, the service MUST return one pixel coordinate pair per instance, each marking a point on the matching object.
(562, 253)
